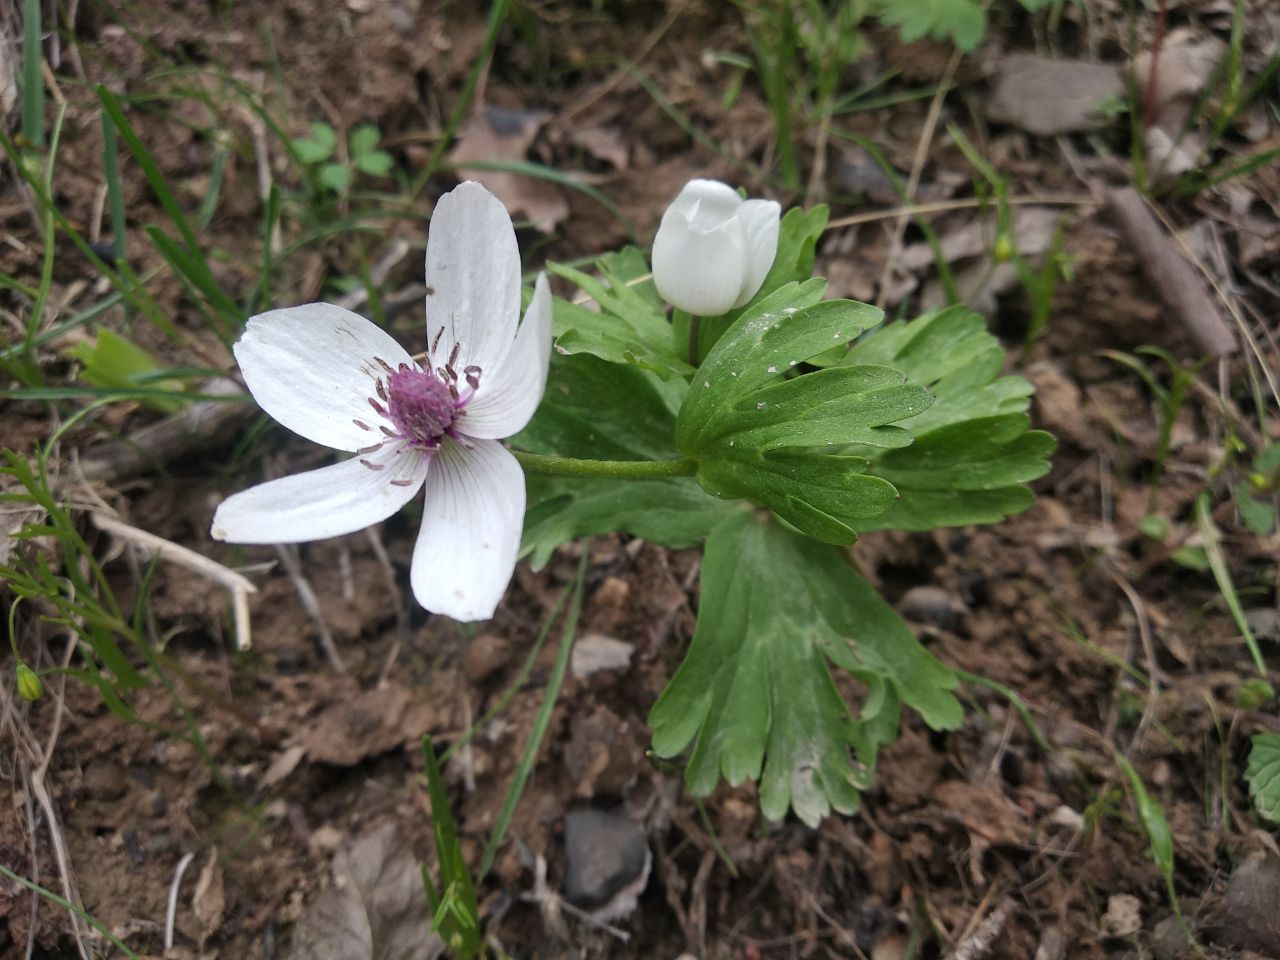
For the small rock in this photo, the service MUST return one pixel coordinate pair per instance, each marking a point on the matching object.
(1252, 920)
(595, 653)
(1169, 940)
(485, 655)
(105, 780)
(607, 862)
(1048, 97)
(1123, 917)
(931, 605)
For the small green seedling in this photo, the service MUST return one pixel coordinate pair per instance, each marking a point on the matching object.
(318, 153)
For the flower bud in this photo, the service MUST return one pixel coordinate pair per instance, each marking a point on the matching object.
(713, 249)
(29, 685)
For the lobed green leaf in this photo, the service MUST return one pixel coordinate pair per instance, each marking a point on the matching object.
(756, 696)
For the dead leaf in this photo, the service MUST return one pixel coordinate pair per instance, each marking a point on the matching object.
(495, 135)
(375, 910)
(1185, 67)
(209, 900)
(367, 724)
(985, 812)
(603, 143)
(1047, 97)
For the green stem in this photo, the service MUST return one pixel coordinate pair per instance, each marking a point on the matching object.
(695, 335)
(620, 469)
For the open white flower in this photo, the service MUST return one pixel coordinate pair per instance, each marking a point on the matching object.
(713, 249)
(340, 380)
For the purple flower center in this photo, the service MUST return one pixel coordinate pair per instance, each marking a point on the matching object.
(420, 407)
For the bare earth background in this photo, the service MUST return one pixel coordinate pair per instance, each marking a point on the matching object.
(981, 842)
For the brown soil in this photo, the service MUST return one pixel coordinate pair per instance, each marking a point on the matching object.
(981, 833)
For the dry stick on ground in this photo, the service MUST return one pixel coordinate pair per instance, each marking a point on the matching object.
(238, 586)
(917, 167)
(615, 78)
(288, 554)
(41, 758)
(1172, 276)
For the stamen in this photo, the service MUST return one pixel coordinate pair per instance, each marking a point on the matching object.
(376, 446)
(400, 483)
(382, 389)
(436, 342)
(362, 425)
(385, 366)
(379, 408)
(374, 466)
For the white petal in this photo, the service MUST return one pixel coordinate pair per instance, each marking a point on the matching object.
(510, 393)
(760, 220)
(696, 268)
(473, 278)
(706, 203)
(466, 550)
(313, 368)
(328, 502)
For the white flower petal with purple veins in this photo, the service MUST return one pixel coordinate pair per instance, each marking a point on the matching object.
(471, 524)
(328, 502)
(314, 368)
(338, 379)
(510, 393)
(473, 279)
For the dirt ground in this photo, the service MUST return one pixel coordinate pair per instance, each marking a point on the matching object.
(994, 840)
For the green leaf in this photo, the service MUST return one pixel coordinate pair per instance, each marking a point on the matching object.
(364, 140)
(1268, 461)
(756, 696)
(1258, 515)
(334, 176)
(974, 450)
(113, 361)
(1263, 775)
(781, 442)
(630, 326)
(375, 164)
(319, 146)
(599, 410)
(765, 343)
(1153, 819)
(963, 22)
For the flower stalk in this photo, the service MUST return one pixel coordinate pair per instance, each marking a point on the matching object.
(616, 469)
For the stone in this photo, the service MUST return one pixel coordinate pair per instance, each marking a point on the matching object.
(931, 605)
(485, 655)
(607, 861)
(1251, 919)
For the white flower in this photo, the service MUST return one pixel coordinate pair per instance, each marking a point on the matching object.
(339, 380)
(713, 249)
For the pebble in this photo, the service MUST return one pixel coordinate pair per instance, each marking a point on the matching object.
(606, 856)
(931, 605)
(1252, 920)
(1169, 940)
(485, 655)
(597, 653)
(105, 780)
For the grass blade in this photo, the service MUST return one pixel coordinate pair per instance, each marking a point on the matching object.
(32, 74)
(540, 723)
(454, 909)
(1218, 564)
